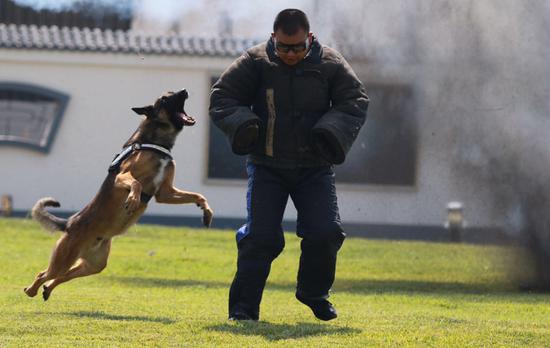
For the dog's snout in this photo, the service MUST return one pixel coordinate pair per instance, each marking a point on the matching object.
(184, 93)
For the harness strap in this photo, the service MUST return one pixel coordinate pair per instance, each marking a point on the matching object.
(128, 150)
(120, 157)
(155, 147)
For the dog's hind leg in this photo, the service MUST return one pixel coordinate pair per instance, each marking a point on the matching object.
(80, 270)
(32, 290)
(63, 257)
(92, 263)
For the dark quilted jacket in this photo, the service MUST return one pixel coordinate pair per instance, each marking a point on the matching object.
(321, 93)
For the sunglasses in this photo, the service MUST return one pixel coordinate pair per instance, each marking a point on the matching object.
(296, 48)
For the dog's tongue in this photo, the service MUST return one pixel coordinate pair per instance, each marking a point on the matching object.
(187, 120)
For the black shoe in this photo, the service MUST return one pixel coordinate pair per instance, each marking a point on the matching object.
(321, 308)
(238, 316)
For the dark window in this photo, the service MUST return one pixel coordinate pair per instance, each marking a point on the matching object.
(222, 162)
(29, 115)
(384, 153)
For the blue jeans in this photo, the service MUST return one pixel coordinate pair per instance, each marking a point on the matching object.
(261, 240)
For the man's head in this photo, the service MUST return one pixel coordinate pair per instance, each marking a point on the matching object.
(291, 36)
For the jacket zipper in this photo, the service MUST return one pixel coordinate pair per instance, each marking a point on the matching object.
(270, 99)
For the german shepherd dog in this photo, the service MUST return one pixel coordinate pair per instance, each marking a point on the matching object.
(143, 170)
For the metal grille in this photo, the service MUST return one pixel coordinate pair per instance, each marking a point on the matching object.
(29, 115)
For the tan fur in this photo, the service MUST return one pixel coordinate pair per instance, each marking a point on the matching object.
(84, 247)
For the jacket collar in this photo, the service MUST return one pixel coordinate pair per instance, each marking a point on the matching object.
(313, 56)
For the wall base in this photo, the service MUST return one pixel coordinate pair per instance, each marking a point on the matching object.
(428, 233)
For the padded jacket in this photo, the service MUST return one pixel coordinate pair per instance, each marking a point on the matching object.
(319, 95)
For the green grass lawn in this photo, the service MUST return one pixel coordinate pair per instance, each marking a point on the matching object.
(168, 287)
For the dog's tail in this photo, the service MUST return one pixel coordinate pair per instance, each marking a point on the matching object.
(48, 221)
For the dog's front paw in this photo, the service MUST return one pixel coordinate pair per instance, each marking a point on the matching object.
(132, 203)
(201, 201)
(207, 216)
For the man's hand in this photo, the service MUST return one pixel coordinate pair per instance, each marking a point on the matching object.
(246, 139)
(327, 147)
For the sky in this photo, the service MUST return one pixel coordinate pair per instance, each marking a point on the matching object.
(171, 9)
(202, 15)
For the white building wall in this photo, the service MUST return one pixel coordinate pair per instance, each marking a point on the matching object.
(98, 120)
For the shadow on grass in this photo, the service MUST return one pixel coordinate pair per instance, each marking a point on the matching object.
(418, 286)
(353, 286)
(276, 332)
(106, 316)
(168, 283)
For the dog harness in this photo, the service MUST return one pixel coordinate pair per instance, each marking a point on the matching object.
(128, 150)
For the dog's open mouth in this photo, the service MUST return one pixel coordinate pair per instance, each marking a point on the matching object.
(186, 119)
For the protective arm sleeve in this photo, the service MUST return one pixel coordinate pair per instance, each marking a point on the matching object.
(230, 101)
(336, 130)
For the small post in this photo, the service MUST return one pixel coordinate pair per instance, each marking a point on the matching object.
(6, 205)
(455, 220)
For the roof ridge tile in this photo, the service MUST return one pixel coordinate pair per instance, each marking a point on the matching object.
(117, 41)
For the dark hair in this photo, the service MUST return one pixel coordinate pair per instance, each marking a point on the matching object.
(290, 21)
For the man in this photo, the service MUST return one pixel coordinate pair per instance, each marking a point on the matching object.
(295, 107)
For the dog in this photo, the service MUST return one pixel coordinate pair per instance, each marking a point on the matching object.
(144, 169)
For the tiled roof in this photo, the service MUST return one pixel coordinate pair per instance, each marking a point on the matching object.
(54, 38)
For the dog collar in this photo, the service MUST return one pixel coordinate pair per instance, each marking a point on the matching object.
(127, 151)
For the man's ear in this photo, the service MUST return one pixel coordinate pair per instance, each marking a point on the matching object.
(146, 110)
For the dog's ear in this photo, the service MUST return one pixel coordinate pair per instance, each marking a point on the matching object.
(146, 110)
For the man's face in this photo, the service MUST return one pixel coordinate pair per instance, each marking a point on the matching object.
(291, 48)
